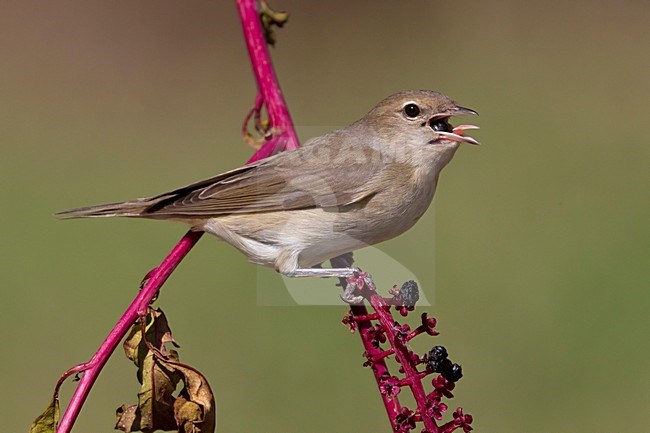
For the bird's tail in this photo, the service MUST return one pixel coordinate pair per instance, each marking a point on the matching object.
(134, 208)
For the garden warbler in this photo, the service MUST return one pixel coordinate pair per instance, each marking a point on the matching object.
(353, 187)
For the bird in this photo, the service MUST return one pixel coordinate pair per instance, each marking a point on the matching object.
(350, 188)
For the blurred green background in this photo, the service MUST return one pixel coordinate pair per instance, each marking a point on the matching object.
(537, 247)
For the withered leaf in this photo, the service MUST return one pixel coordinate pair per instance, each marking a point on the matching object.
(155, 398)
(48, 420)
(194, 409)
(186, 413)
(157, 334)
(159, 373)
(128, 418)
(155, 408)
(132, 346)
(158, 331)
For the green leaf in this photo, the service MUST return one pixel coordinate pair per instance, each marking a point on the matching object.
(48, 420)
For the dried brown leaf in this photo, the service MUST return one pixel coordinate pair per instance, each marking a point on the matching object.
(155, 398)
(158, 331)
(194, 409)
(155, 408)
(187, 413)
(128, 418)
(132, 345)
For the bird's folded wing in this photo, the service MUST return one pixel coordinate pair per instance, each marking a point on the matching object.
(271, 185)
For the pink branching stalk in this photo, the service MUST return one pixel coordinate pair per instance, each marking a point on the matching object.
(413, 369)
(282, 137)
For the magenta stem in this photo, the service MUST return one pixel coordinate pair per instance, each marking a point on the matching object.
(384, 354)
(267, 83)
(284, 138)
(368, 317)
(99, 359)
(402, 353)
(379, 367)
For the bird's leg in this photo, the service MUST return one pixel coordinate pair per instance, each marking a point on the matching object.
(320, 272)
(348, 295)
(287, 264)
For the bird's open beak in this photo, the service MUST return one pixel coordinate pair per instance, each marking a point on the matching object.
(457, 133)
(462, 110)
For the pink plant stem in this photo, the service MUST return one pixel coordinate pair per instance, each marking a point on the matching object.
(137, 307)
(379, 368)
(401, 352)
(279, 117)
(284, 138)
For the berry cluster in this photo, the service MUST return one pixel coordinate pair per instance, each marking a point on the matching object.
(383, 337)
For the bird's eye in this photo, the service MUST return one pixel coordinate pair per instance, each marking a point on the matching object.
(440, 125)
(411, 110)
